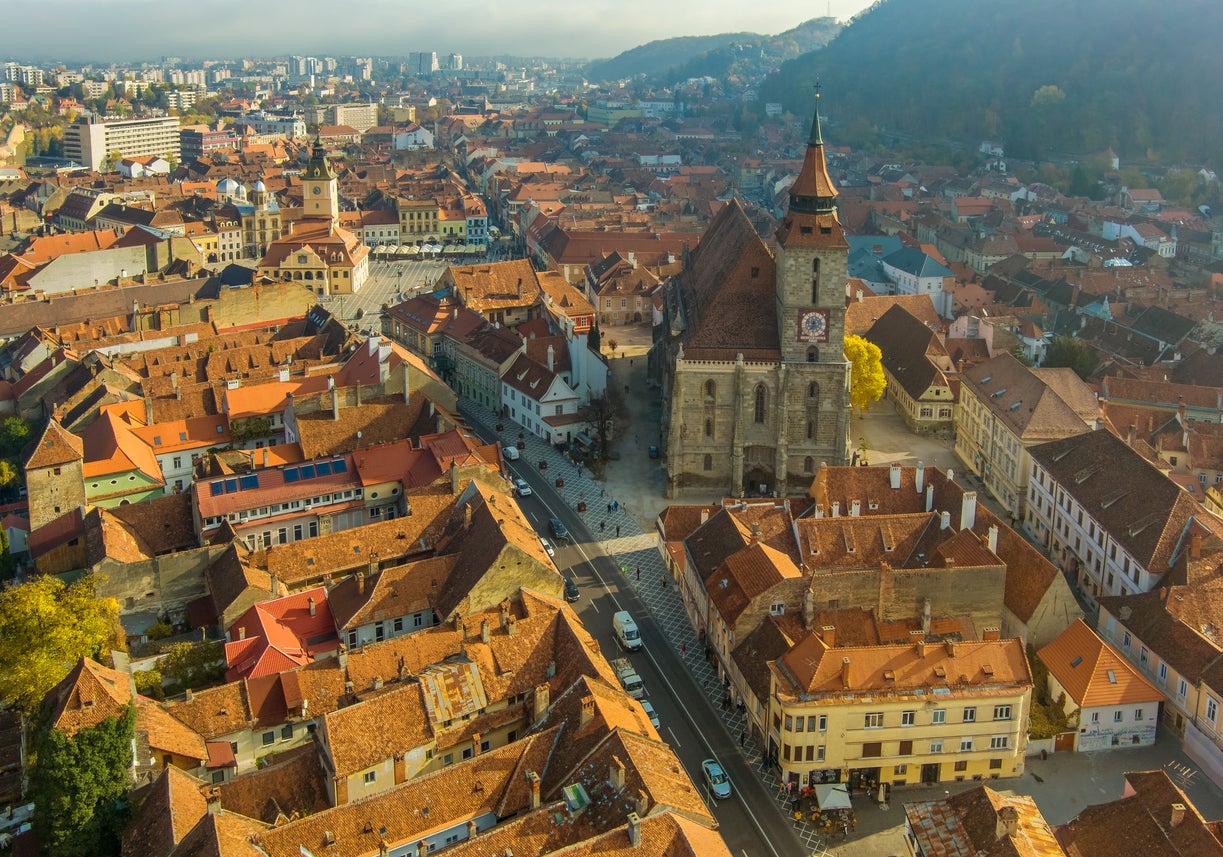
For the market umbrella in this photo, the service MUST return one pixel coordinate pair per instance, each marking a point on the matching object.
(832, 796)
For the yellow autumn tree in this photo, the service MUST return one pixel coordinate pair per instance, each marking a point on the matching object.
(866, 379)
(47, 626)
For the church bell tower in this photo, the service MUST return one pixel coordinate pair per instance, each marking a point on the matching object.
(812, 263)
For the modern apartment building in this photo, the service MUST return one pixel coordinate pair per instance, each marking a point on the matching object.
(90, 139)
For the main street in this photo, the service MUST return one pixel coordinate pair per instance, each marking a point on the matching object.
(748, 820)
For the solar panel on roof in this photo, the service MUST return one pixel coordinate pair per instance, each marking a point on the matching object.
(324, 468)
(248, 482)
(307, 471)
(339, 466)
(291, 474)
(216, 489)
(231, 486)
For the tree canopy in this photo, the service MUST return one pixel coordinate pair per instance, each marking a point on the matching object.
(1070, 352)
(77, 784)
(45, 628)
(866, 379)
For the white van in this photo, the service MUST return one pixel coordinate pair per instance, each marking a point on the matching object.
(626, 631)
(510, 452)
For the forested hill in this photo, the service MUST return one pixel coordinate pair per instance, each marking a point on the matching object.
(1144, 77)
(668, 60)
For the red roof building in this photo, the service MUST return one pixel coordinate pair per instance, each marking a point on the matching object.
(280, 635)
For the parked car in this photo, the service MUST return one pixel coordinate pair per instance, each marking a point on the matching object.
(625, 631)
(521, 486)
(551, 551)
(557, 528)
(650, 712)
(715, 779)
(572, 593)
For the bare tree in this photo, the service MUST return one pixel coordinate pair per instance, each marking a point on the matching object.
(602, 413)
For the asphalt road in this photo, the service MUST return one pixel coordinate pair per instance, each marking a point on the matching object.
(748, 821)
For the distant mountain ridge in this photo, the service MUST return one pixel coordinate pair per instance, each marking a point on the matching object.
(668, 60)
(1042, 76)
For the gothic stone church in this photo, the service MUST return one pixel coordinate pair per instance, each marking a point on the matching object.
(751, 360)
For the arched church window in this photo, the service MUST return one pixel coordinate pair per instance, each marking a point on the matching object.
(711, 389)
(815, 281)
(761, 402)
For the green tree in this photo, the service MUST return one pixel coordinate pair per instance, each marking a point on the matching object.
(866, 379)
(45, 628)
(77, 784)
(8, 473)
(1066, 351)
(6, 559)
(14, 435)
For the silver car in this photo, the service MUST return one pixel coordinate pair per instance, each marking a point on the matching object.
(716, 779)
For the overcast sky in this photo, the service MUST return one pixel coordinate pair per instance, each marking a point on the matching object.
(128, 30)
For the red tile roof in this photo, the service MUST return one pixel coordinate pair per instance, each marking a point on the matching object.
(281, 634)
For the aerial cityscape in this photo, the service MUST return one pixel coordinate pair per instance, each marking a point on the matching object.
(526, 431)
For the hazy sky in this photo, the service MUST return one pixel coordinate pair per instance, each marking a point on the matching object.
(119, 30)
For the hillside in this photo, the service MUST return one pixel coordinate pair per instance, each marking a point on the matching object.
(1046, 77)
(668, 60)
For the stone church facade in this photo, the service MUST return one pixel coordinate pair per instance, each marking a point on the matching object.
(750, 355)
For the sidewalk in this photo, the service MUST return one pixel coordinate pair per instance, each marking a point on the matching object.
(635, 548)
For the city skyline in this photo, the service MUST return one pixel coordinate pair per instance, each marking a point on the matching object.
(141, 30)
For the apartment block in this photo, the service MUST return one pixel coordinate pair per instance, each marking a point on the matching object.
(90, 140)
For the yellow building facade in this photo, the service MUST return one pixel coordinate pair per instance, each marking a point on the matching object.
(896, 715)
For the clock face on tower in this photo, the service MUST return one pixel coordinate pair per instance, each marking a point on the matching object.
(317, 190)
(813, 325)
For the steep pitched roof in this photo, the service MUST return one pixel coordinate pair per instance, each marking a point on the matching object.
(974, 824)
(1093, 673)
(280, 634)
(56, 446)
(89, 694)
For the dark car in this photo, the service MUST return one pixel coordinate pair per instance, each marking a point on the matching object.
(557, 527)
(572, 593)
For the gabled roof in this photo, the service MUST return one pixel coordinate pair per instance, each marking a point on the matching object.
(88, 695)
(280, 634)
(974, 824)
(172, 806)
(56, 446)
(1035, 404)
(1093, 673)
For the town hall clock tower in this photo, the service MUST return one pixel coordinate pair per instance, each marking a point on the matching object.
(320, 192)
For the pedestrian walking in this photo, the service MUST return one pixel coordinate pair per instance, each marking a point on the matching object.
(683, 649)
(617, 531)
(742, 739)
(602, 526)
(639, 572)
(609, 507)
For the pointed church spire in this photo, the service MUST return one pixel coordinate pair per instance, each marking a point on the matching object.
(817, 138)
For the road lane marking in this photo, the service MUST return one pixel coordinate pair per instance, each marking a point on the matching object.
(673, 738)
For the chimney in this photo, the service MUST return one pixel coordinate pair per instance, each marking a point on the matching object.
(472, 830)
(615, 773)
(360, 583)
(241, 632)
(540, 701)
(475, 743)
(643, 803)
(265, 456)
(1008, 822)
(704, 516)
(588, 711)
(551, 359)
(861, 297)
(829, 635)
(950, 475)
(310, 605)
(214, 802)
(855, 508)
(968, 510)
(921, 648)
(755, 531)
(335, 404)
(376, 683)
(504, 609)
(634, 829)
(1195, 545)
(925, 616)
(1129, 435)
(894, 476)
(511, 626)
(484, 631)
(945, 521)
(991, 634)
(275, 586)
(836, 508)
(929, 497)
(454, 479)
(919, 476)
(407, 385)
(845, 673)
(520, 288)
(533, 779)
(951, 648)
(1178, 814)
(808, 609)
(467, 517)
(189, 694)
(992, 539)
